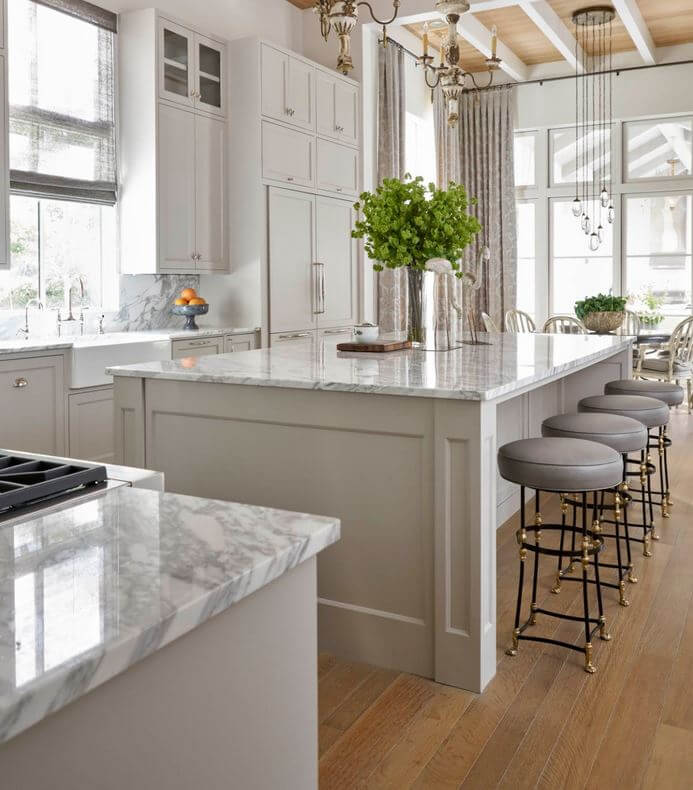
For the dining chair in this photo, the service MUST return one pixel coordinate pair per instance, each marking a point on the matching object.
(631, 324)
(489, 324)
(674, 362)
(519, 322)
(564, 325)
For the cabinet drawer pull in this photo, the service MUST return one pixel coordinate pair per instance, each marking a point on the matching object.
(336, 331)
(20, 383)
(289, 178)
(199, 343)
(294, 336)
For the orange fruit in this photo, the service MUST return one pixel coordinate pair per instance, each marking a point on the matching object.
(188, 294)
(189, 362)
(181, 302)
(197, 301)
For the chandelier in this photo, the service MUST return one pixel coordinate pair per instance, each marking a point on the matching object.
(342, 16)
(593, 204)
(449, 75)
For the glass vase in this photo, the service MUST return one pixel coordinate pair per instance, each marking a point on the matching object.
(415, 282)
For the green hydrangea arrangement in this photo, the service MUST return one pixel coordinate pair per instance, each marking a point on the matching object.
(602, 303)
(406, 223)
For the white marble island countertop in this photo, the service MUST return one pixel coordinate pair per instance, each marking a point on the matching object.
(122, 576)
(477, 373)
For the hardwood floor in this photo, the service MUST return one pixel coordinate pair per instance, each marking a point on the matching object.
(542, 722)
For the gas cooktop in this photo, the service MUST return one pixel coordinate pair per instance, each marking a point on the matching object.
(27, 481)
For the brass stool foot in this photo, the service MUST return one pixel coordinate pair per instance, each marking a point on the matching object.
(604, 635)
(589, 666)
(646, 547)
(622, 595)
(632, 578)
(557, 586)
(512, 651)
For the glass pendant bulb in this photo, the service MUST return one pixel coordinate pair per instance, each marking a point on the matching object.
(594, 242)
(587, 225)
(604, 197)
(583, 220)
(612, 213)
(577, 207)
(600, 233)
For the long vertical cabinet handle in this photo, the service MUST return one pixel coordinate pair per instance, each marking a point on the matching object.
(322, 288)
(316, 289)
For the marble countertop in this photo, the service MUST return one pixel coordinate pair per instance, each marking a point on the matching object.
(114, 338)
(484, 372)
(87, 591)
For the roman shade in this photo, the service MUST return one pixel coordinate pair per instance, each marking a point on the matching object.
(62, 100)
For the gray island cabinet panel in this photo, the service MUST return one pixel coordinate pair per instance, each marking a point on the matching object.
(401, 447)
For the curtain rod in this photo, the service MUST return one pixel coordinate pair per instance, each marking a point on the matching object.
(542, 80)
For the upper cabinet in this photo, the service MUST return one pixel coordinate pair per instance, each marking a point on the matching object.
(173, 203)
(4, 145)
(191, 69)
(337, 108)
(288, 88)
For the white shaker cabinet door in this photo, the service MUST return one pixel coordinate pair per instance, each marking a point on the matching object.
(336, 251)
(346, 112)
(288, 155)
(274, 76)
(176, 189)
(337, 168)
(91, 425)
(210, 203)
(292, 277)
(325, 98)
(301, 94)
(210, 61)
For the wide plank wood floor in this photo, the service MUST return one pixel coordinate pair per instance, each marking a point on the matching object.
(542, 722)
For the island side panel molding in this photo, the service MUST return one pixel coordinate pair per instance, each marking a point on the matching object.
(465, 543)
(210, 710)
(366, 459)
(591, 380)
(128, 416)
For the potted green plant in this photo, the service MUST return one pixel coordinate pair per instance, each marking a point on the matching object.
(406, 223)
(602, 313)
(648, 305)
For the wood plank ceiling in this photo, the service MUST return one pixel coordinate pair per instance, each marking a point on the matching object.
(669, 23)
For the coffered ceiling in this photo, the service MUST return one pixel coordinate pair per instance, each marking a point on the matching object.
(541, 31)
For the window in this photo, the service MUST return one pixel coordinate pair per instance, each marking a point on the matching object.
(420, 152)
(658, 149)
(593, 167)
(525, 159)
(659, 249)
(62, 153)
(526, 257)
(576, 272)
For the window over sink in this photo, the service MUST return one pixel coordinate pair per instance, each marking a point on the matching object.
(62, 154)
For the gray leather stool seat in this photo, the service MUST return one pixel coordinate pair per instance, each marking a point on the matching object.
(672, 394)
(562, 465)
(623, 434)
(650, 412)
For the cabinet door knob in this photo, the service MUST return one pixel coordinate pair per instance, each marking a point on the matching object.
(20, 383)
(289, 178)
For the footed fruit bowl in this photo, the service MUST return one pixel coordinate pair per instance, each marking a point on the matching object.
(190, 311)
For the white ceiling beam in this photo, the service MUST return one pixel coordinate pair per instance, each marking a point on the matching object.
(637, 29)
(555, 29)
(479, 36)
(413, 12)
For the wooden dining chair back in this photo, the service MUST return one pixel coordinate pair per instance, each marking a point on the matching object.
(631, 324)
(564, 325)
(489, 324)
(519, 322)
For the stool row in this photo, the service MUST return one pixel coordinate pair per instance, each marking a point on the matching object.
(600, 462)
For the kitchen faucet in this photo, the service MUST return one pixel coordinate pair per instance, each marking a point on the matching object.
(25, 331)
(70, 316)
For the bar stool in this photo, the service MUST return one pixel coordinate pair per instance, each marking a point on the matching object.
(561, 466)
(654, 415)
(625, 435)
(673, 395)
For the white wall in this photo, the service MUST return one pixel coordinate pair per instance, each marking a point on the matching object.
(276, 20)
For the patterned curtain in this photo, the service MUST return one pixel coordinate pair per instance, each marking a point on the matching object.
(478, 153)
(392, 284)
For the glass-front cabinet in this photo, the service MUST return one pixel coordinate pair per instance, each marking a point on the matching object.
(191, 69)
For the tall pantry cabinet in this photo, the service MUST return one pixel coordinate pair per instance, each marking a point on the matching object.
(173, 147)
(295, 176)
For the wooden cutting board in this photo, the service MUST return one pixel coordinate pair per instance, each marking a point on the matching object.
(378, 347)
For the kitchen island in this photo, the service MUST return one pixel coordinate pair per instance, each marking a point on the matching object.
(401, 447)
(150, 640)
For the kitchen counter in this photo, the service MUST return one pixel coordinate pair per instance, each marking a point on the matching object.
(122, 576)
(401, 447)
(478, 373)
(39, 344)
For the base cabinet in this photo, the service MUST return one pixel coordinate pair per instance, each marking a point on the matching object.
(90, 416)
(32, 405)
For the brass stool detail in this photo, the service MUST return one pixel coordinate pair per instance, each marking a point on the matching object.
(654, 415)
(561, 466)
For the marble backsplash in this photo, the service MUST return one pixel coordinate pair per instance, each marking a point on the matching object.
(145, 303)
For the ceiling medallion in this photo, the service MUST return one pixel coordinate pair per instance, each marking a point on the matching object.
(593, 205)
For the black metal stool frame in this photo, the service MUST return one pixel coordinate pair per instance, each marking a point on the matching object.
(591, 545)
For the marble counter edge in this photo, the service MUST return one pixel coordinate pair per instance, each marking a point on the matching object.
(149, 371)
(73, 679)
